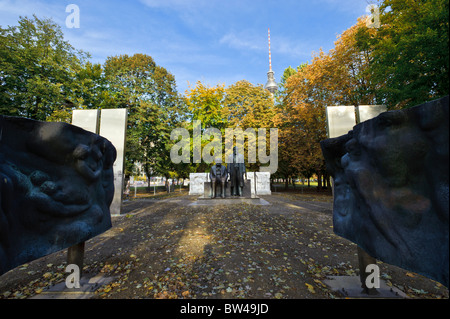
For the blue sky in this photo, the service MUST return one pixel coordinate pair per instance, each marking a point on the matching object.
(216, 42)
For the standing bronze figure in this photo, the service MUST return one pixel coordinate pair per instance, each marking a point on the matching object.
(236, 169)
(218, 175)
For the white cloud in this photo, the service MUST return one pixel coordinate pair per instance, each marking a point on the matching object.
(280, 45)
(297, 47)
(242, 41)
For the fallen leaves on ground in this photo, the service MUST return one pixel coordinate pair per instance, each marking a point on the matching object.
(168, 250)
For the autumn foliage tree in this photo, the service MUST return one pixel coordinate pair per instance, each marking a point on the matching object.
(401, 63)
(240, 105)
(338, 77)
(249, 106)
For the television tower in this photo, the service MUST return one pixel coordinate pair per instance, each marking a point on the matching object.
(271, 85)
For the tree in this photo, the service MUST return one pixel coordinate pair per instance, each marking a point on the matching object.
(89, 90)
(280, 95)
(241, 105)
(248, 106)
(205, 104)
(37, 69)
(340, 77)
(154, 107)
(411, 51)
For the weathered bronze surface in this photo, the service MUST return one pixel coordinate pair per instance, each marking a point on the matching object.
(218, 176)
(391, 187)
(56, 186)
(236, 170)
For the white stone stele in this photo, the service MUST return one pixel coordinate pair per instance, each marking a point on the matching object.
(86, 119)
(342, 118)
(112, 126)
(196, 181)
(262, 185)
(259, 183)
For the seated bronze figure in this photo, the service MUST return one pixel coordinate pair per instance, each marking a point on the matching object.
(218, 176)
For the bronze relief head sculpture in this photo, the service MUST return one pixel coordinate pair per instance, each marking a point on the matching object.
(56, 185)
(391, 187)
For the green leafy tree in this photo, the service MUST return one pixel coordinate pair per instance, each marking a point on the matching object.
(205, 104)
(154, 107)
(37, 69)
(411, 51)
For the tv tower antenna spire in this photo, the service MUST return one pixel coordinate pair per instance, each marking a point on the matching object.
(270, 55)
(271, 85)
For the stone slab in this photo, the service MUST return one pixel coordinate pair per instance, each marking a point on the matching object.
(367, 112)
(350, 287)
(262, 183)
(251, 178)
(86, 119)
(196, 181)
(113, 125)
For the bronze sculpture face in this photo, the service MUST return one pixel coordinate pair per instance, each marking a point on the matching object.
(391, 187)
(56, 185)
